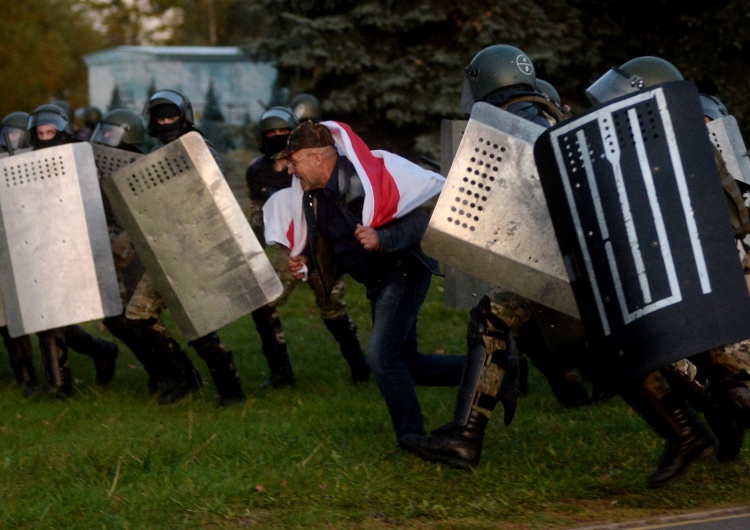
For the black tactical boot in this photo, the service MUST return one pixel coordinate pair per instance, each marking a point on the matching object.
(459, 447)
(55, 359)
(523, 375)
(730, 432)
(20, 353)
(688, 440)
(167, 365)
(153, 346)
(221, 365)
(274, 347)
(344, 330)
(102, 352)
(490, 376)
(730, 416)
(182, 377)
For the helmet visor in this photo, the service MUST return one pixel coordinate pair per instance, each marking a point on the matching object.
(12, 136)
(613, 84)
(467, 97)
(109, 134)
(48, 118)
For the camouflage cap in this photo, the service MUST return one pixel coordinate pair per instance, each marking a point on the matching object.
(307, 135)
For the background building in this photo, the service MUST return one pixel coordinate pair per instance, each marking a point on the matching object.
(241, 88)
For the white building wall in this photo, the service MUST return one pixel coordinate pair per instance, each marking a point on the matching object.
(241, 86)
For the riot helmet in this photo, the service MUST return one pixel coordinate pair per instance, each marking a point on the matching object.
(88, 116)
(49, 114)
(305, 107)
(271, 123)
(121, 128)
(634, 75)
(713, 108)
(493, 68)
(547, 89)
(165, 106)
(13, 131)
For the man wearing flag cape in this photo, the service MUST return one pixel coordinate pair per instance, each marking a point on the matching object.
(355, 211)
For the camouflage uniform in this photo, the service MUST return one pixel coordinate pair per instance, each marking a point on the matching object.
(263, 180)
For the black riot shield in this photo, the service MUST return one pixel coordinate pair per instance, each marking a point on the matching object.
(642, 224)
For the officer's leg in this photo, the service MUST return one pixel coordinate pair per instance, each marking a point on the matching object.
(170, 365)
(102, 352)
(268, 324)
(20, 354)
(273, 344)
(490, 376)
(55, 359)
(220, 363)
(668, 413)
(340, 324)
(550, 340)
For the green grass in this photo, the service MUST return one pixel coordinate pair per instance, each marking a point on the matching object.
(322, 455)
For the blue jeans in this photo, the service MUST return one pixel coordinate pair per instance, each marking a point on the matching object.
(392, 351)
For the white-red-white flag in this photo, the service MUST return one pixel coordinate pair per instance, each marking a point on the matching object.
(393, 186)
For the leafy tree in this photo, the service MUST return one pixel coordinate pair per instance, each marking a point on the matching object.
(41, 47)
(133, 22)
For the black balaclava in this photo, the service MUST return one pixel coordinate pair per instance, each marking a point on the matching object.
(60, 138)
(171, 131)
(274, 144)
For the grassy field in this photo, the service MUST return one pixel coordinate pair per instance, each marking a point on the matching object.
(322, 455)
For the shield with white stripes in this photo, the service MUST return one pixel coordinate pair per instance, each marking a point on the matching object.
(642, 224)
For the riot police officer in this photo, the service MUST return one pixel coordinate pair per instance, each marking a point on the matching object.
(169, 115)
(263, 180)
(124, 129)
(659, 398)
(13, 133)
(86, 119)
(49, 126)
(305, 107)
(503, 323)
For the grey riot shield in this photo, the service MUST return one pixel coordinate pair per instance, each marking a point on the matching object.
(641, 219)
(726, 136)
(55, 255)
(461, 290)
(110, 159)
(491, 219)
(192, 236)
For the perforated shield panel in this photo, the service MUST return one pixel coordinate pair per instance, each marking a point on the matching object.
(192, 236)
(491, 219)
(110, 159)
(56, 259)
(639, 210)
(726, 136)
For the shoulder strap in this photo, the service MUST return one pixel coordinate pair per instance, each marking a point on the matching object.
(552, 111)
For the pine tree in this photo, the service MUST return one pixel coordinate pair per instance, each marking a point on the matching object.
(115, 101)
(212, 110)
(151, 90)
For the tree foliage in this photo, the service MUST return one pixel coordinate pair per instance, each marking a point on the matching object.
(385, 65)
(41, 46)
(393, 69)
